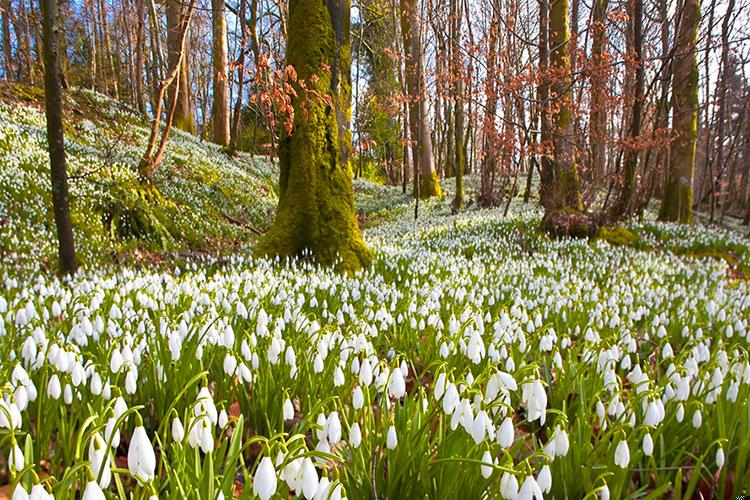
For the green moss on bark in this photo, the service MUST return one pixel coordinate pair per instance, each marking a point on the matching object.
(316, 202)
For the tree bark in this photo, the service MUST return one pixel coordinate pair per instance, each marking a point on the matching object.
(677, 205)
(599, 77)
(458, 102)
(316, 199)
(221, 77)
(8, 64)
(55, 136)
(419, 119)
(560, 190)
(622, 206)
(140, 54)
(176, 47)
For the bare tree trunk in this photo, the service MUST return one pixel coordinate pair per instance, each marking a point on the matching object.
(151, 159)
(176, 49)
(599, 77)
(457, 63)
(220, 116)
(623, 204)
(8, 62)
(678, 197)
(55, 136)
(140, 54)
(419, 118)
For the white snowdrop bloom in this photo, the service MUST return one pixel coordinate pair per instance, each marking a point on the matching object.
(93, 492)
(622, 454)
(440, 386)
(562, 443)
(720, 457)
(358, 398)
(355, 435)
(54, 390)
(648, 445)
(509, 486)
(116, 361)
(178, 431)
(20, 493)
(120, 407)
(288, 410)
(680, 413)
(112, 434)
(141, 457)
(16, 459)
(100, 460)
(604, 493)
(338, 377)
(450, 399)
(536, 401)
(487, 469)
(223, 419)
(505, 433)
(67, 394)
(333, 427)
(481, 426)
(19, 376)
(391, 438)
(396, 384)
(697, 419)
(96, 384)
(544, 479)
(131, 381)
(530, 489)
(308, 479)
(230, 364)
(264, 480)
(365, 373)
(39, 492)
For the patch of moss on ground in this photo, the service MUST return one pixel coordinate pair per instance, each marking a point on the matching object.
(617, 235)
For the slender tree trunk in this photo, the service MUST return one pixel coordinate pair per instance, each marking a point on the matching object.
(316, 200)
(8, 62)
(457, 63)
(599, 77)
(419, 118)
(489, 153)
(140, 54)
(622, 206)
(176, 47)
(678, 196)
(153, 155)
(55, 136)
(220, 116)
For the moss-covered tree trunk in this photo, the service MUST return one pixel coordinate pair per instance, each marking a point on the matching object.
(677, 205)
(561, 192)
(458, 200)
(419, 114)
(316, 201)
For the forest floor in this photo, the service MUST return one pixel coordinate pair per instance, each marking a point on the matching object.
(483, 348)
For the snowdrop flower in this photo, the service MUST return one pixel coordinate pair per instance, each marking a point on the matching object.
(333, 427)
(720, 457)
(111, 434)
(697, 419)
(54, 390)
(288, 410)
(93, 492)
(141, 457)
(544, 479)
(358, 398)
(530, 489)
(39, 492)
(355, 435)
(20, 493)
(604, 492)
(308, 479)
(536, 401)
(648, 445)
(622, 454)
(264, 480)
(505, 434)
(392, 439)
(486, 469)
(451, 399)
(508, 486)
(16, 459)
(100, 460)
(396, 384)
(178, 431)
(223, 419)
